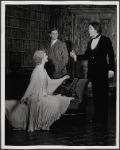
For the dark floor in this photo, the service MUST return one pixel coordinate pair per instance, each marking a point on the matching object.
(70, 130)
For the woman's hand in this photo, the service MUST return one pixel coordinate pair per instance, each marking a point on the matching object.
(110, 74)
(66, 77)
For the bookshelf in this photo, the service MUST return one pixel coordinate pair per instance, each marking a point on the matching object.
(26, 30)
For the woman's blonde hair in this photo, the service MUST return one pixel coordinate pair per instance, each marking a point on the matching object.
(38, 56)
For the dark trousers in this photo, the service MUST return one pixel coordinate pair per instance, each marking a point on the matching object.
(100, 99)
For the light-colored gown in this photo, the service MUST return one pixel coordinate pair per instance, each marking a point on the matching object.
(41, 108)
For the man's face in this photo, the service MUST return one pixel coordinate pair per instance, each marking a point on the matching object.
(54, 35)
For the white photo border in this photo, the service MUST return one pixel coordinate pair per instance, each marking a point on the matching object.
(3, 3)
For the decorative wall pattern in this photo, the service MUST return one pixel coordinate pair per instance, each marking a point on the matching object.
(74, 22)
(77, 25)
(81, 35)
(81, 29)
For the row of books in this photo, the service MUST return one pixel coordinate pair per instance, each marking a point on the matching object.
(40, 7)
(15, 45)
(26, 31)
(26, 59)
(23, 59)
(27, 24)
(27, 14)
(26, 34)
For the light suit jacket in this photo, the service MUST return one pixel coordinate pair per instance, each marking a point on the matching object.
(58, 59)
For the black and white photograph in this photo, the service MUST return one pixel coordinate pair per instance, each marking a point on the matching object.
(59, 74)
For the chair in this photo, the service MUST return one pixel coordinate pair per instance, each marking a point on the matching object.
(80, 89)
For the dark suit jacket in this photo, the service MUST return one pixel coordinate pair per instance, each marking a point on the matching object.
(100, 60)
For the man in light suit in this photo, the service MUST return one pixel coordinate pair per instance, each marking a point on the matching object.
(58, 56)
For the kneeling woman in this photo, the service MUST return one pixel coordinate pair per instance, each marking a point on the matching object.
(38, 108)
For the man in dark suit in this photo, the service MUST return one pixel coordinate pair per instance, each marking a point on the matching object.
(58, 56)
(99, 69)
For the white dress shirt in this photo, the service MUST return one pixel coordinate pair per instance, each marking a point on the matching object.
(95, 42)
(53, 42)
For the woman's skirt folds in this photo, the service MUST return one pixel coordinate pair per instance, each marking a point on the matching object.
(37, 114)
(16, 113)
